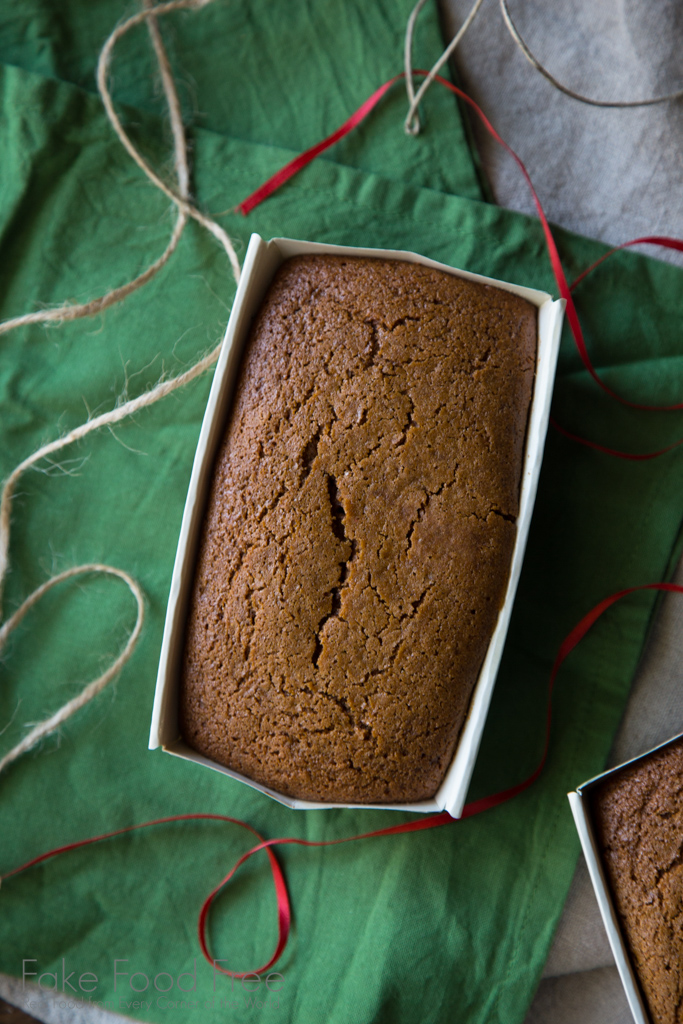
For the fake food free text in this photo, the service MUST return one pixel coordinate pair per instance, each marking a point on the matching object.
(138, 981)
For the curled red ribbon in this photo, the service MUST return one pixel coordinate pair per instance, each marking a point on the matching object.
(294, 166)
(284, 914)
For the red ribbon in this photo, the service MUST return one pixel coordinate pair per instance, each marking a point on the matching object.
(612, 451)
(299, 162)
(305, 158)
(663, 240)
(284, 914)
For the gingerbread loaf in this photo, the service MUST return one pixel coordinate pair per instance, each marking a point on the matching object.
(359, 529)
(638, 819)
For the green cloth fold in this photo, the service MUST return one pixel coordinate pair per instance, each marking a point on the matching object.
(453, 924)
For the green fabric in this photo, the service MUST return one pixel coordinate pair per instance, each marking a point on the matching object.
(268, 71)
(442, 926)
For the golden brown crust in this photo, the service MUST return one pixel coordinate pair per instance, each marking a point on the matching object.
(359, 529)
(638, 816)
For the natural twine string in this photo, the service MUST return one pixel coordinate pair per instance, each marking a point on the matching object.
(182, 203)
(185, 210)
(49, 725)
(514, 32)
(105, 419)
(74, 311)
(180, 198)
(412, 121)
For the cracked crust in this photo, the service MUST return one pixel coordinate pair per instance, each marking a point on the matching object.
(359, 529)
(638, 815)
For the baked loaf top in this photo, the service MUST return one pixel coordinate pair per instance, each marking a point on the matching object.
(638, 815)
(359, 528)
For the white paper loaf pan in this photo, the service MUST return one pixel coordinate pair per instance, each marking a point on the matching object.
(261, 262)
(579, 802)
